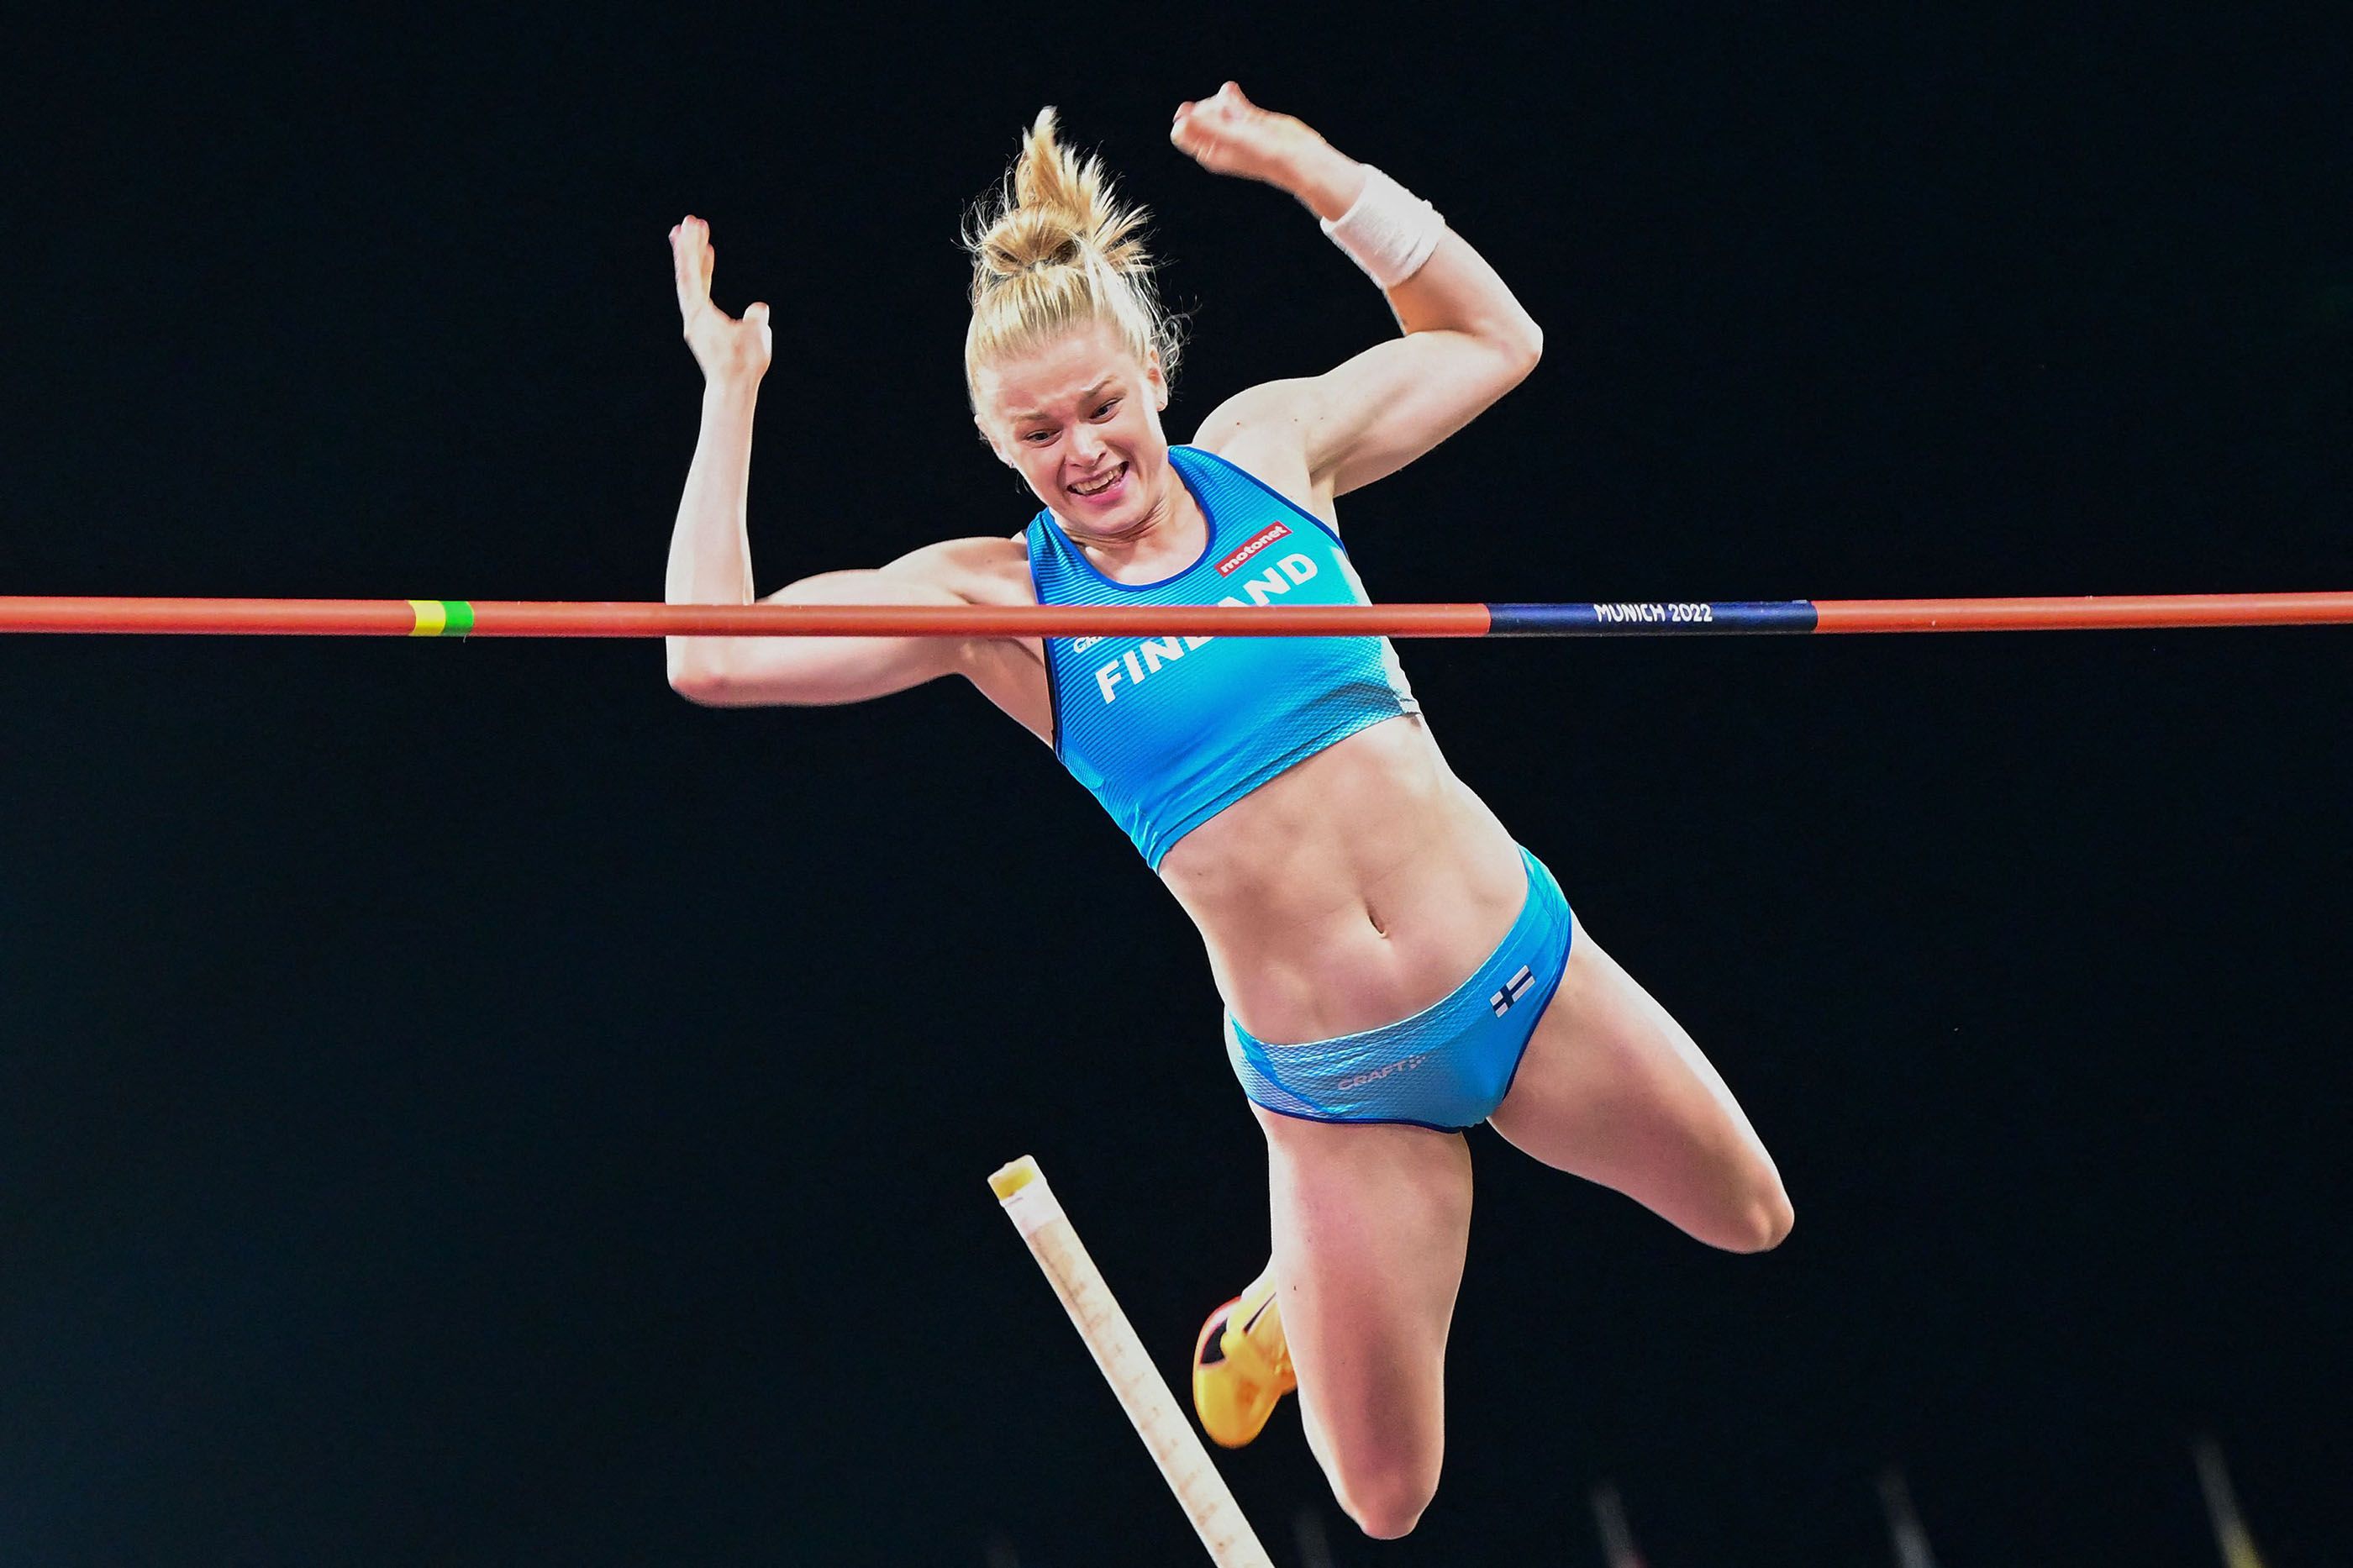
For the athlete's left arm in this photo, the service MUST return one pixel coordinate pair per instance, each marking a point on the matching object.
(1467, 340)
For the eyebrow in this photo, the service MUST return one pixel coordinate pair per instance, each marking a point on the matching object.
(1088, 396)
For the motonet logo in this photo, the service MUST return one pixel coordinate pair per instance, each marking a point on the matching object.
(1258, 541)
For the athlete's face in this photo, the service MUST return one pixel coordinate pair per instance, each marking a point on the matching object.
(1080, 418)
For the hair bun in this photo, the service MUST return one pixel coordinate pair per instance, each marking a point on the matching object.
(1054, 206)
(1053, 248)
(1027, 238)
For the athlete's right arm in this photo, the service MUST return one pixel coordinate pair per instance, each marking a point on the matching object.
(745, 672)
(710, 552)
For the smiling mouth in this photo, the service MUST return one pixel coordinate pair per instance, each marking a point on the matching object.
(1101, 485)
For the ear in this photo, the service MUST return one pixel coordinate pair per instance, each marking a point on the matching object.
(1155, 379)
(990, 436)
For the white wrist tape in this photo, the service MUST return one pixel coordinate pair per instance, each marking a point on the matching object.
(1388, 231)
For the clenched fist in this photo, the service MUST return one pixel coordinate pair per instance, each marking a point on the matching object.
(1226, 134)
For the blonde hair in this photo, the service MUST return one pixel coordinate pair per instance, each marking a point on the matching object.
(1053, 250)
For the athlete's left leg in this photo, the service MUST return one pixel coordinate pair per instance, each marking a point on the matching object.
(1613, 1089)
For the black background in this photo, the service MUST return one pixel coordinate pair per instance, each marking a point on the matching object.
(465, 1104)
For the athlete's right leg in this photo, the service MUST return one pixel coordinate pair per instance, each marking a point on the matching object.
(1370, 1225)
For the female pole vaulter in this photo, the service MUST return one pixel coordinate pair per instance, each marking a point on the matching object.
(1396, 968)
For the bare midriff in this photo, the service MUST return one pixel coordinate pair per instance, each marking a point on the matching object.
(1351, 891)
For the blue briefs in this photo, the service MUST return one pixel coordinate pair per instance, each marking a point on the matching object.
(1449, 1065)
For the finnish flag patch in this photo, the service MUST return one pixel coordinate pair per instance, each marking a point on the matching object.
(1513, 989)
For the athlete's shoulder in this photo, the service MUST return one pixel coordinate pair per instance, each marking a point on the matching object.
(982, 571)
(1258, 415)
(1271, 451)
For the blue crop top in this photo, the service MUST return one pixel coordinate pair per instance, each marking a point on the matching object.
(1169, 732)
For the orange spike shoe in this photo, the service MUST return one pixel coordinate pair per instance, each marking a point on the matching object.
(1242, 1366)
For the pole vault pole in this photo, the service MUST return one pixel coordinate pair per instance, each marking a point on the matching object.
(1030, 1204)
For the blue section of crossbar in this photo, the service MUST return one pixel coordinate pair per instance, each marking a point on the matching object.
(1659, 619)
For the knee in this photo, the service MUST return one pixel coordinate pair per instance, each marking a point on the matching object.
(1388, 1503)
(1764, 1223)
